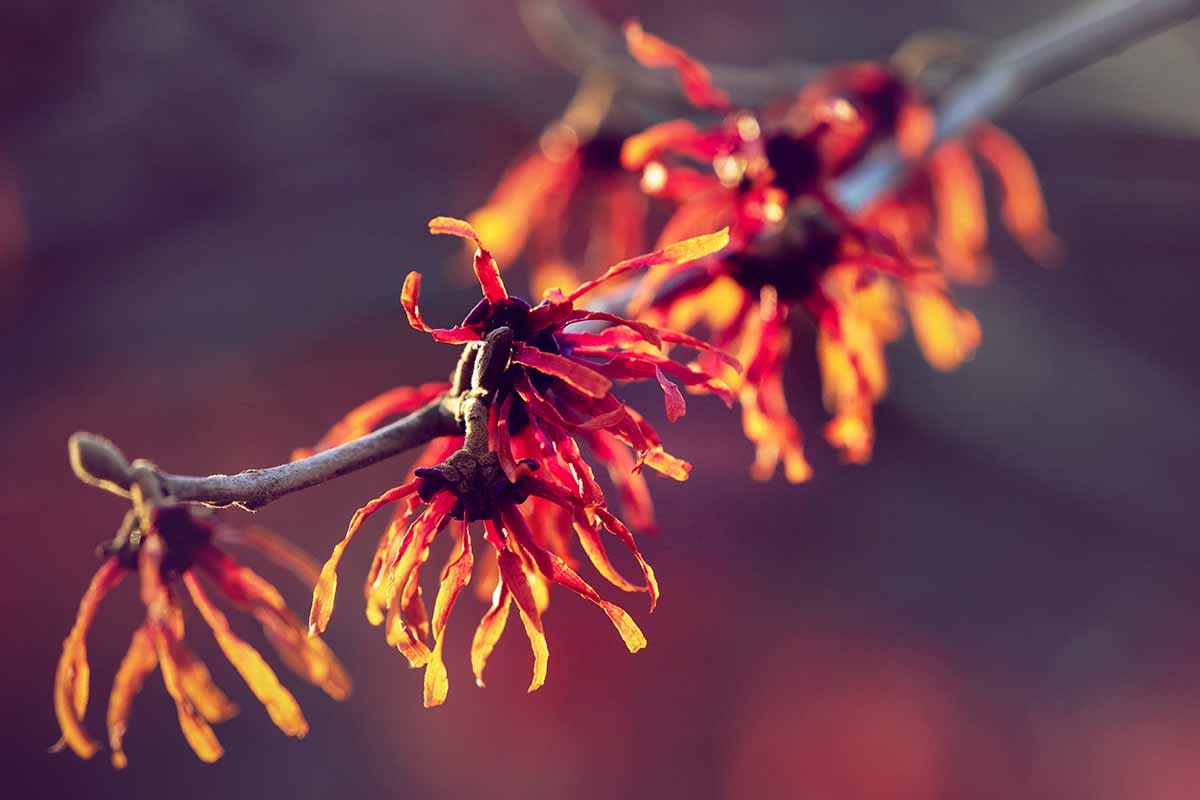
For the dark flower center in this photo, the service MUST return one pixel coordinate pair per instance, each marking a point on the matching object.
(182, 535)
(602, 153)
(792, 261)
(477, 481)
(794, 161)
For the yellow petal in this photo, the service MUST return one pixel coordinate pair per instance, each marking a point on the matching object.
(279, 702)
(196, 682)
(73, 675)
(454, 578)
(326, 588)
(307, 656)
(489, 630)
(139, 661)
(947, 335)
(513, 574)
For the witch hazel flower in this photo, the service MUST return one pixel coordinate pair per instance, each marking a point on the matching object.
(166, 545)
(768, 175)
(533, 394)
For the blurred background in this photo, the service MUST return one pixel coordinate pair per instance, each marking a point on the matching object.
(207, 209)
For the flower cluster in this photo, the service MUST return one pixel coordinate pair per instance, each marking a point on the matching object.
(531, 404)
(533, 388)
(167, 543)
(768, 175)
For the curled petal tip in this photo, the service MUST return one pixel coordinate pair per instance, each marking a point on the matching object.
(453, 226)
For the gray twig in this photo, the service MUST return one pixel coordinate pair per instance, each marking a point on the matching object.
(1040, 55)
(98, 462)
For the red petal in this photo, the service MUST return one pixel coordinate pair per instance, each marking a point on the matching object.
(671, 255)
(486, 269)
(636, 505)
(643, 147)
(456, 576)
(553, 310)
(326, 587)
(534, 400)
(502, 435)
(676, 407)
(694, 76)
(72, 677)
(567, 370)
(589, 539)
(555, 569)
(513, 574)
(409, 298)
(647, 332)
(618, 529)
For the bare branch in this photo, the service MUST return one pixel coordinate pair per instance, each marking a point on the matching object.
(1081, 36)
(96, 461)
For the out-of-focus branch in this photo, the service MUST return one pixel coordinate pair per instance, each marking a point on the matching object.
(1027, 61)
(1017, 66)
(98, 462)
(571, 34)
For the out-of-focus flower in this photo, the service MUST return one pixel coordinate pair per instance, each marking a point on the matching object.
(530, 391)
(571, 178)
(168, 543)
(768, 175)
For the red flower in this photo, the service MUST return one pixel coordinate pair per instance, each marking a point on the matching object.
(559, 379)
(165, 542)
(767, 176)
(530, 391)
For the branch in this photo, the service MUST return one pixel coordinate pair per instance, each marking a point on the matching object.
(98, 462)
(1050, 50)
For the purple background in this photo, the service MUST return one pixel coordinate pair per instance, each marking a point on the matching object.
(206, 212)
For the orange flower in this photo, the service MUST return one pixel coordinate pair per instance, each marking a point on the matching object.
(558, 379)
(521, 563)
(768, 176)
(165, 542)
(942, 212)
(538, 390)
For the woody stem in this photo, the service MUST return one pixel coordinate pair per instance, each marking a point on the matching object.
(99, 462)
(491, 359)
(1040, 55)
